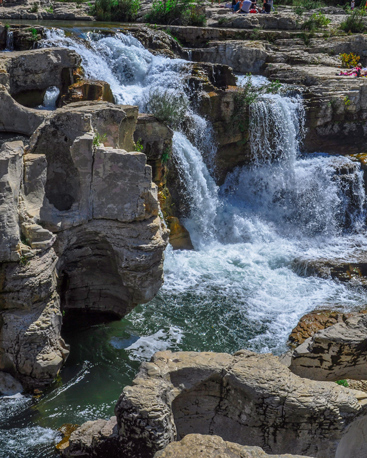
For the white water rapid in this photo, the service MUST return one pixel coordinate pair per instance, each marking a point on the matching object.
(238, 289)
(248, 232)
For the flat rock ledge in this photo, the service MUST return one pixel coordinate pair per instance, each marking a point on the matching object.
(249, 399)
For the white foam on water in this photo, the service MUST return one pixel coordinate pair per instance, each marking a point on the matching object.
(248, 232)
(145, 347)
(50, 98)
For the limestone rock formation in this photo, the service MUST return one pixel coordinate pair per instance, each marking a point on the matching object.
(79, 213)
(16, 118)
(9, 385)
(250, 399)
(88, 90)
(195, 445)
(335, 353)
(313, 322)
(155, 140)
(27, 74)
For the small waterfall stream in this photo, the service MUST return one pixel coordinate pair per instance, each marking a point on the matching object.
(9, 46)
(237, 289)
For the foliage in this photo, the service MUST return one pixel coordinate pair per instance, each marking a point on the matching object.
(98, 139)
(165, 155)
(139, 146)
(168, 106)
(23, 260)
(316, 21)
(7, 26)
(34, 8)
(116, 10)
(50, 9)
(255, 34)
(347, 101)
(34, 33)
(168, 32)
(246, 96)
(349, 60)
(354, 22)
(342, 383)
(306, 4)
(306, 37)
(182, 12)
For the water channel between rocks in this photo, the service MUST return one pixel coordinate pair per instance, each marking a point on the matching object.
(237, 289)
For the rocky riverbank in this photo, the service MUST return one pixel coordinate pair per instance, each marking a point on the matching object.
(82, 232)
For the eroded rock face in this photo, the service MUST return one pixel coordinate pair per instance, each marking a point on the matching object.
(16, 118)
(335, 353)
(27, 74)
(194, 445)
(248, 398)
(313, 322)
(79, 213)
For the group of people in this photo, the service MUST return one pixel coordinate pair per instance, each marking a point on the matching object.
(357, 71)
(250, 6)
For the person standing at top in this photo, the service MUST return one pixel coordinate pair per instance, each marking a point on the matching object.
(352, 5)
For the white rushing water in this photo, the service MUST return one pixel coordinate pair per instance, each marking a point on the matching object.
(238, 289)
(248, 232)
(50, 99)
(9, 46)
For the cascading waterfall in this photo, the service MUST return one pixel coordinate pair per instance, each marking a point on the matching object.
(9, 46)
(50, 98)
(238, 289)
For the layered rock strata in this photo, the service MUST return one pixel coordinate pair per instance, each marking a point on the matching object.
(79, 215)
(247, 398)
(335, 353)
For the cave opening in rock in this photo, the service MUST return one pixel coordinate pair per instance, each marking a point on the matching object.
(213, 407)
(89, 282)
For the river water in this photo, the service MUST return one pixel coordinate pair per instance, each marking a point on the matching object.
(237, 289)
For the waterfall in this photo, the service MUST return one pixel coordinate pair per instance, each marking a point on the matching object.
(9, 46)
(50, 98)
(238, 288)
(248, 231)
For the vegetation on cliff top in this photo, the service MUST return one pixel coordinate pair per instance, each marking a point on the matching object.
(178, 12)
(116, 10)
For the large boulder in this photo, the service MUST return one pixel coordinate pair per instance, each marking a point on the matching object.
(82, 233)
(28, 74)
(194, 445)
(335, 353)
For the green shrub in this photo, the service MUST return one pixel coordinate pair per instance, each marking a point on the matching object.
(181, 12)
(316, 21)
(354, 22)
(139, 146)
(34, 8)
(98, 139)
(168, 106)
(342, 383)
(306, 4)
(116, 10)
